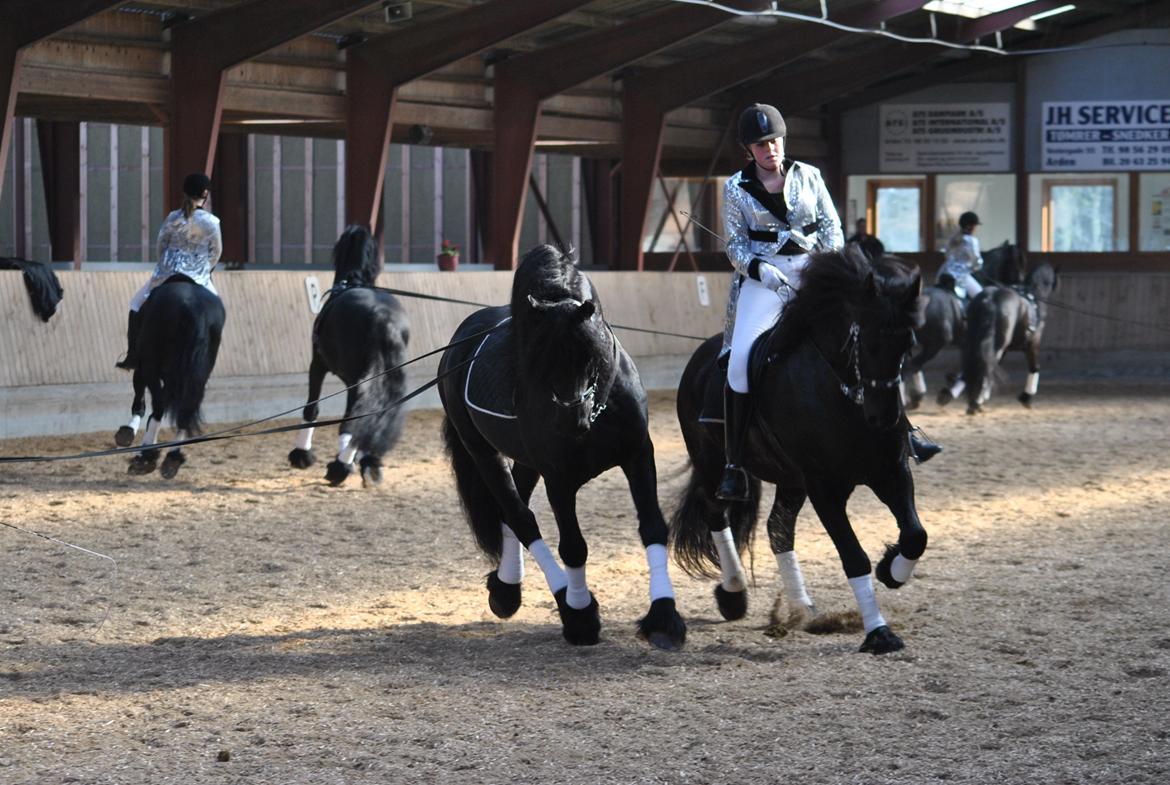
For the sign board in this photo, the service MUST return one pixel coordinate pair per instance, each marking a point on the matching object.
(313, 292)
(704, 293)
(945, 137)
(1100, 136)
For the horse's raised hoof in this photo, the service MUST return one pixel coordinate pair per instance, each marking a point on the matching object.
(662, 627)
(732, 604)
(124, 437)
(301, 459)
(371, 471)
(1026, 399)
(171, 464)
(882, 571)
(881, 640)
(503, 598)
(580, 627)
(143, 463)
(944, 397)
(336, 472)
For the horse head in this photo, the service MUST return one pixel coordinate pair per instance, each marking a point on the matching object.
(355, 258)
(566, 353)
(1042, 281)
(891, 308)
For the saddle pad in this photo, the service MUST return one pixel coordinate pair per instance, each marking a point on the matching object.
(489, 388)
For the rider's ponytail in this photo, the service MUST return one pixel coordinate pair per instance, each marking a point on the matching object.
(188, 207)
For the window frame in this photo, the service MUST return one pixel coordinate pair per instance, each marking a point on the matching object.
(1046, 211)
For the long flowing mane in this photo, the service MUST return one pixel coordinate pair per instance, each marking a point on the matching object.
(355, 257)
(829, 283)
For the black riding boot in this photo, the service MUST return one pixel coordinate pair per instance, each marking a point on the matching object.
(133, 328)
(737, 409)
(922, 449)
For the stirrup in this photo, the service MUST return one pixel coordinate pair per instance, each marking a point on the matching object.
(734, 486)
(922, 449)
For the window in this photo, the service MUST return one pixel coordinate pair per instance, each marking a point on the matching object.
(1080, 213)
(991, 196)
(896, 215)
(1154, 212)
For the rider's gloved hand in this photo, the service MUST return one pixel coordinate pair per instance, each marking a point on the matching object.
(770, 276)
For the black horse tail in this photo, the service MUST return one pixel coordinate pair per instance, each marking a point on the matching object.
(484, 515)
(379, 420)
(979, 346)
(190, 366)
(690, 525)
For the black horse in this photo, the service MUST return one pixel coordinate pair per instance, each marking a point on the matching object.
(829, 418)
(360, 335)
(1000, 319)
(181, 327)
(549, 388)
(946, 318)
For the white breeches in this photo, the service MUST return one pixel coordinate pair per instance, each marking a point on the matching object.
(964, 280)
(140, 296)
(757, 309)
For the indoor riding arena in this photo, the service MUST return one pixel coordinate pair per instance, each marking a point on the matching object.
(281, 502)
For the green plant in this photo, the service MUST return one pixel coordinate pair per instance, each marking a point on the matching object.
(448, 248)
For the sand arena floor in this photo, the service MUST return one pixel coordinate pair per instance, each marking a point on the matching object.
(266, 628)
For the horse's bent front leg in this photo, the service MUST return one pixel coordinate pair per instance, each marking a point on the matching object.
(896, 491)
(146, 460)
(302, 456)
(662, 625)
(503, 583)
(580, 615)
(124, 436)
(782, 538)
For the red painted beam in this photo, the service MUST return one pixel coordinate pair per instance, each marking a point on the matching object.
(376, 68)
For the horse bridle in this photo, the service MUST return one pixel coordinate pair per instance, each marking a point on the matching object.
(590, 392)
(856, 392)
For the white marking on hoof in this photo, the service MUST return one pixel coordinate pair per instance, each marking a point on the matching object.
(151, 435)
(1033, 383)
(345, 449)
(957, 388)
(553, 574)
(862, 587)
(135, 423)
(577, 595)
(793, 580)
(305, 439)
(919, 383)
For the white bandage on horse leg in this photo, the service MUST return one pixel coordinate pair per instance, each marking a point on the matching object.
(902, 392)
(511, 569)
(346, 450)
(920, 383)
(730, 567)
(862, 587)
(151, 435)
(660, 585)
(577, 596)
(957, 388)
(305, 439)
(1033, 383)
(135, 423)
(793, 580)
(901, 568)
(553, 574)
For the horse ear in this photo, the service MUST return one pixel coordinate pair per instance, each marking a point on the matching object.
(586, 310)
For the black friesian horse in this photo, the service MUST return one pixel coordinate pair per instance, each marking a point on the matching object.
(181, 327)
(1000, 319)
(360, 334)
(828, 418)
(545, 385)
(946, 318)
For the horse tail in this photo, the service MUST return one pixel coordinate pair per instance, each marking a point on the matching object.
(979, 345)
(189, 368)
(483, 513)
(690, 525)
(378, 423)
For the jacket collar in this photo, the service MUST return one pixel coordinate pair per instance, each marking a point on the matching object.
(774, 203)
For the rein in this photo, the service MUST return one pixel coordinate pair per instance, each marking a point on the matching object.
(856, 392)
(591, 392)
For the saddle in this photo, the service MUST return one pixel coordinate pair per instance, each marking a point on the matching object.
(712, 409)
(490, 386)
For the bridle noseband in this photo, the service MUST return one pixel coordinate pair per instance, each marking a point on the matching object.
(590, 393)
(856, 392)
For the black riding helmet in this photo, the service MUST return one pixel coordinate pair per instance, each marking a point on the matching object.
(968, 219)
(196, 184)
(760, 123)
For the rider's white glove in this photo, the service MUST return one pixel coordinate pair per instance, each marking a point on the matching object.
(770, 276)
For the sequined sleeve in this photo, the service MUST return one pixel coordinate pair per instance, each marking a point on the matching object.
(829, 234)
(735, 228)
(214, 247)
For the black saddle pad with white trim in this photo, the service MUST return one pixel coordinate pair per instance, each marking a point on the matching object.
(490, 388)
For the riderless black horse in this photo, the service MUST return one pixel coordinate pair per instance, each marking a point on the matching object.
(1000, 319)
(181, 327)
(830, 418)
(543, 388)
(360, 335)
(946, 317)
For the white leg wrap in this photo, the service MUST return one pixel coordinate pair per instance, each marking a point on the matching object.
(793, 579)
(151, 435)
(901, 568)
(902, 392)
(920, 383)
(553, 574)
(578, 594)
(345, 452)
(957, 388)
(305, 439)
(730, 567)
(871, 617)
(135, 423)
(511, 569)
(660, 585)
(1033, 383)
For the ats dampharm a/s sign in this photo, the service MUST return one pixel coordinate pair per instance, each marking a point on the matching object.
(1106, 135)
(945, 137)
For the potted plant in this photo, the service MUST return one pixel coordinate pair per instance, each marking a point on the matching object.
(448, 257)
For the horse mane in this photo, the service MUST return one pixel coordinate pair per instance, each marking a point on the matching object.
(355, 257)
(828, 284)
(547, 275)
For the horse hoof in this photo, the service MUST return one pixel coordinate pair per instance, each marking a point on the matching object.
(974, 409)
(143, 463)
(662, 627)
(881, 640)
(503, 598)
(581, 627)
(336, 472)
(732, 604)
(301, 459)
(124, 437)
(882, 571)
(371, 472)
(914, 402)
(171, 464)
(1026, 399)
(944, 397)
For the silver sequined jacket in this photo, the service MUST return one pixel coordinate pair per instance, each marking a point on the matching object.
(810, 221)
(190, 246)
